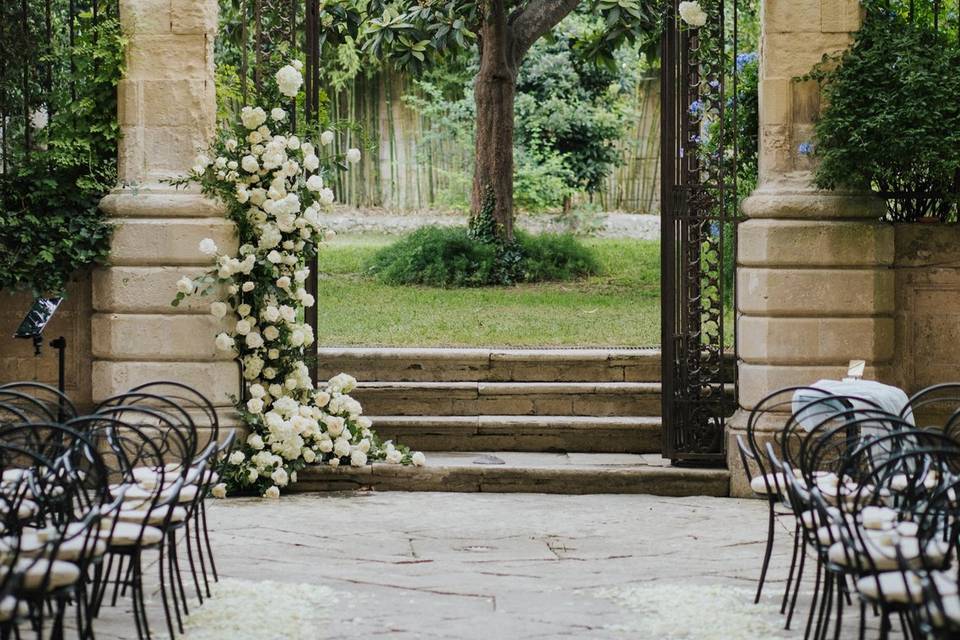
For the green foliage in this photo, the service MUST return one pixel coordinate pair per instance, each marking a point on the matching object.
(450, 257)
(50, 225)
(571, 110)
(892, 119)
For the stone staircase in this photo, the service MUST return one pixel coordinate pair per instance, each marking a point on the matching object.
(551, 420)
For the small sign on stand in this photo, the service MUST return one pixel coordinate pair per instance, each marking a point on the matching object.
(32, 328)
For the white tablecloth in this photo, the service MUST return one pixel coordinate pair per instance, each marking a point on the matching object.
(888, 398)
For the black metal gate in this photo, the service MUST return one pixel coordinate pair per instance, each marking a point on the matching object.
(699, 211)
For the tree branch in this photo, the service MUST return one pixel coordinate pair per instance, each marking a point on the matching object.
(539, 17)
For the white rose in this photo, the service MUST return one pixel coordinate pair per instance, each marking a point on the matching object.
(218, 309)
(224, 342)
(284, 282)
(243, 196)
(327, 196)
(275, 257)
(297, 338)
(271, 333)
(293, 143)
(309, 456)
(252, 117)
(353, 156)
(219, 491)
(252, 475)
(244, 310)
(280, 477)
(334, 425)
(185, 285)
(237, 457)
(273, 492)
(269, 373)
(273, 354)
(257, 390)
(334, 462)
(394, 456)
(271, 314)
(254, 441)
(315, 183)
(311, 163)
(693, 14)
(418, 459)
(208, 247)
(288, 313)
(358, 458)
(248, 286)
(243, 327)
(341, 447)
(326, 137)
(276, 390)
(278, 114)
(254, 405)
(254, 340)
(321, 398)
(250, 164)
(289, 81)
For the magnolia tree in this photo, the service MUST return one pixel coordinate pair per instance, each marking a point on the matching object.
(274, 186)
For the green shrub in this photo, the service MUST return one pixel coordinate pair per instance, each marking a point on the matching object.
(448, 257)
(892, 120)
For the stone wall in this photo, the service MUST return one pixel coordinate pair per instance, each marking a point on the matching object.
(72, 321)
(927, 271)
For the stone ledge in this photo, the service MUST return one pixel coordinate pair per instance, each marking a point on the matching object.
(526, 473)
(159, 202)
(795, 198)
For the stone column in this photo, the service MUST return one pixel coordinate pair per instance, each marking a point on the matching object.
(167, 112)
(815, 284)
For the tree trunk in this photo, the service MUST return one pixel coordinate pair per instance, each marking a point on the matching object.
(495, 90)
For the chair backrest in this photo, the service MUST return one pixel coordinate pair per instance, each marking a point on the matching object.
(57, 404)
(934, 405)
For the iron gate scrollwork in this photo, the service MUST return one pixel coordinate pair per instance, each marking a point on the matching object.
(699, 214)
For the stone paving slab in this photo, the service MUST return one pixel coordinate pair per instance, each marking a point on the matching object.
(521, 566)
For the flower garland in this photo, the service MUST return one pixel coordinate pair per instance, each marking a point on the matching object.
(274, 187)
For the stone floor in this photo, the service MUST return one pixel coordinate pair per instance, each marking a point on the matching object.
(492, 566)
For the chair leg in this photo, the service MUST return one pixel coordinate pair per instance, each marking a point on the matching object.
(193, 567)
(173, 582)
(175, 557)
(137, 593)
(813, 602)
(769, 550)
(799, 581)
(793, 565)
(841, 596)
(206, 538)
(863, 621)
(823, 617)
(163, 596)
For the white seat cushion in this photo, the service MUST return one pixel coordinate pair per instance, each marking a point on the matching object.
(34, 572)
(774, 481)
(156, 516)
(125, 534)
(893, 586)
(10, 607)
(138, 495)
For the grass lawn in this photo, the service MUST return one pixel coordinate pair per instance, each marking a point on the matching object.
(621, 307)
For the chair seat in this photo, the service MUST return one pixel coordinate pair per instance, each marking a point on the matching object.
(10, 607)
(156, 516)
(31, 544)
(881, 552)
(34, 571)
(136, 494)
(126, 534)
(772, 483)
(892, 586)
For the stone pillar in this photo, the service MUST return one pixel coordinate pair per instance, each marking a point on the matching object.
(167, 112)
(815, 283)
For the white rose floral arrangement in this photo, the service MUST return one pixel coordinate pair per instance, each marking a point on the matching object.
(274, 187)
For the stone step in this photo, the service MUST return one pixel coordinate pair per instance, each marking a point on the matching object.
(509, 398)
(523, 433)
(510, 472)
(491, 365)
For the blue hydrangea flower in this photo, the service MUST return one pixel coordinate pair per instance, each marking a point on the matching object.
(744, 59)
(805, 148)
(696, 107)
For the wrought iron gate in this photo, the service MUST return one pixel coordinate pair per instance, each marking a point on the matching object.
(699, 211)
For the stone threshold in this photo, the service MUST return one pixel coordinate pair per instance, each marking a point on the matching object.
(491, 354)
(519, 472)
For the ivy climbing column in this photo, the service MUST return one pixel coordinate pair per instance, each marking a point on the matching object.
(815, 285)
(167, 113)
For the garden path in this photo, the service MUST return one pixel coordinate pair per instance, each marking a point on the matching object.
(435, 565)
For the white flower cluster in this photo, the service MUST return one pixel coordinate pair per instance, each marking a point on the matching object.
(693, 14)
(273, 184)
